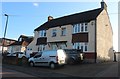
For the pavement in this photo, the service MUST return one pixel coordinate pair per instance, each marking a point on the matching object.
(112, 71)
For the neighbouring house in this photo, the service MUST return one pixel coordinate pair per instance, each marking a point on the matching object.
(90, 31)
(117, 56)
(4, 42)
(21, 44)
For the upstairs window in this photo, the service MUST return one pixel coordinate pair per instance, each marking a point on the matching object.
(20, 39)
(63, 32)
(42, 33)
(81, 27)
(76, 28)
(54, 33)
(86, 27)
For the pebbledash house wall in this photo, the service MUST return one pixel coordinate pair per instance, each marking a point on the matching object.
(59, 37)
(104, 37)
(32, 47)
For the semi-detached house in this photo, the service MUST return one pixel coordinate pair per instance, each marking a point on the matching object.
(89, 31)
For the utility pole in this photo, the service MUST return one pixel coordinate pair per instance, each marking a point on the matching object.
(3, 40)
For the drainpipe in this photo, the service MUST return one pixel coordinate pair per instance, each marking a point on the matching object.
(95, 41)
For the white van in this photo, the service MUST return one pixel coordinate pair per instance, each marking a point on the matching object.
(50, 58)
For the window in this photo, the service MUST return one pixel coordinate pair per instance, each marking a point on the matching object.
(54, 33)
(54, 47)
(76, 45)
(86, 27)
(63, 32)
(42, 33)
(76, 28)
(41, 47)
(82, 46)
(62, 46)
(20, 39)
(86, 47)
(82, 27)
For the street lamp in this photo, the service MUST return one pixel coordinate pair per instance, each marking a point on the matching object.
(3, 40)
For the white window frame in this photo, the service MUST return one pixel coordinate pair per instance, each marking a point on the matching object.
(54, 31)
(82, 27)
(42, 33)
(63, 31)
(62, 46)
(82, 46)
(86, 45)
(86, 26)
(54, 47)
(41, 47)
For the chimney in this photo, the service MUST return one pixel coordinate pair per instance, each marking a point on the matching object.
(50, 18)
(103, 5)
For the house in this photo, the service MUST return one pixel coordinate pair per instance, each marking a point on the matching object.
(90, 31)
(21, 44)
(117, 56)
(4, 42)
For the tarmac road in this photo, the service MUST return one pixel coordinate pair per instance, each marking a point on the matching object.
(108, 69)
(13, 73)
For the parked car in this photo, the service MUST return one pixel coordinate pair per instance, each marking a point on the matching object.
(20, 54)
(74, 56)
(51, 58)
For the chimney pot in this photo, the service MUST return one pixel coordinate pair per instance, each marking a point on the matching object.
(50, 18)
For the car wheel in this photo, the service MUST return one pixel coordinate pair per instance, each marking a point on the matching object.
(52, 65)
(31, 64)
(71, 61)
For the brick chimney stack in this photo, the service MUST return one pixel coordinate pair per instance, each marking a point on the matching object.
(103, 5)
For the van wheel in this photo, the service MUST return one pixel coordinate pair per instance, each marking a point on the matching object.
(31, 64)
(52, 65)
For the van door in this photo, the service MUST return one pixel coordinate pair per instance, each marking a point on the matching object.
(45, 58)
(38, 59)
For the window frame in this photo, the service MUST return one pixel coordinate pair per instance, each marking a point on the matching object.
(42, 33)
(63, 31)
(54, 31)
(86, 27)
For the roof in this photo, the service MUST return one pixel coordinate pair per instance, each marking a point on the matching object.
(28, 40)
(71, 19)
(24, 36)
(7, 39)
(15, 43)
